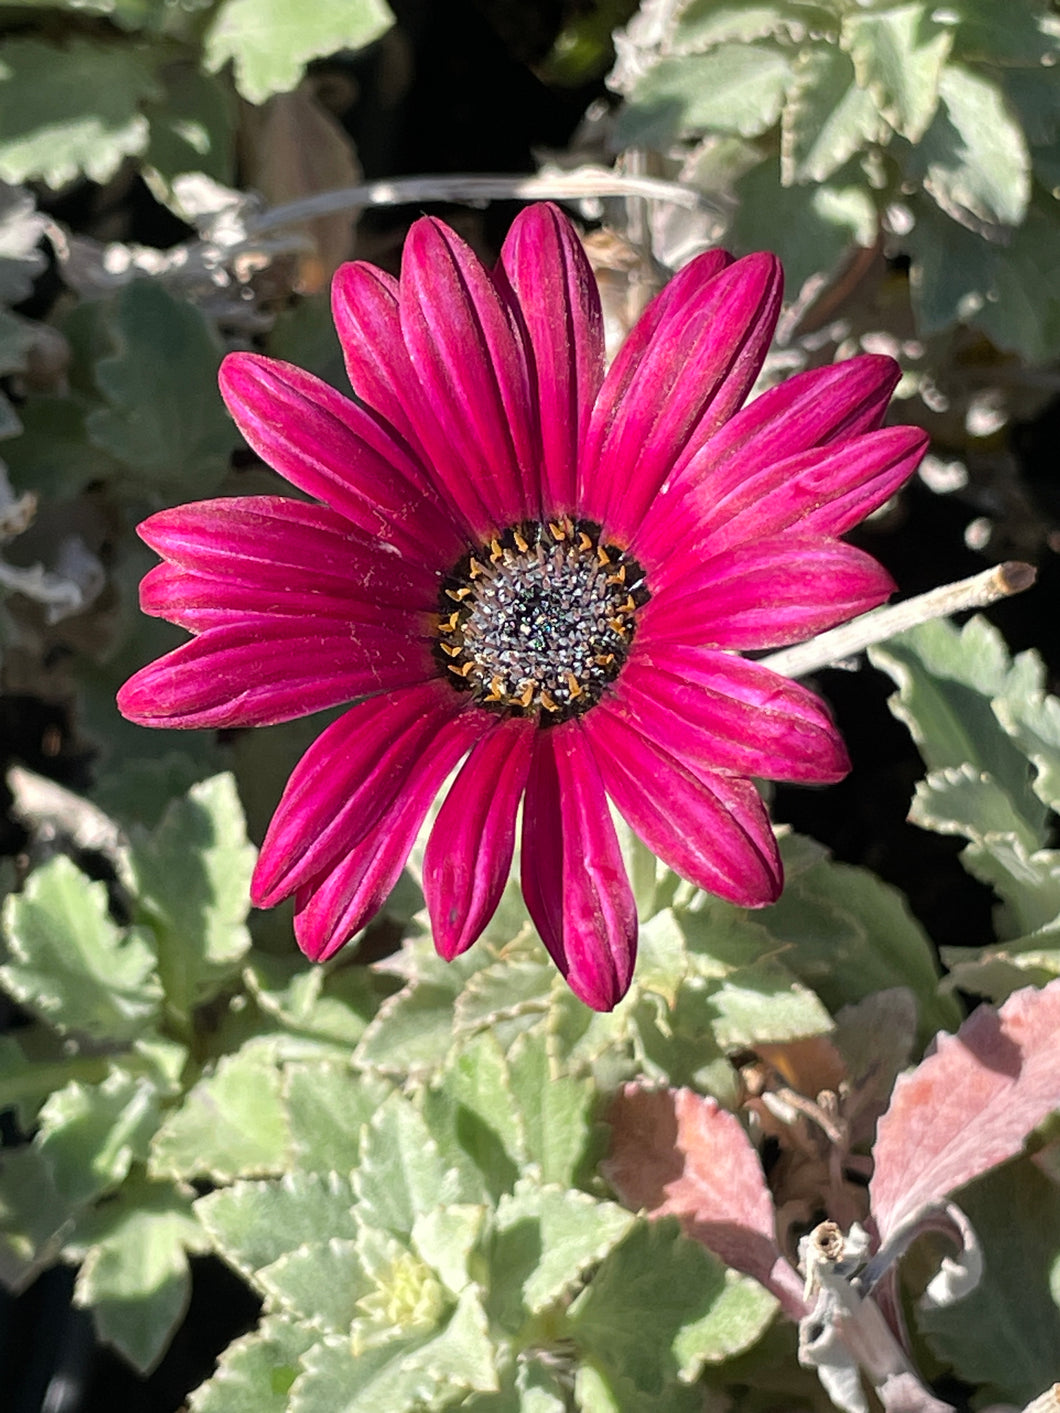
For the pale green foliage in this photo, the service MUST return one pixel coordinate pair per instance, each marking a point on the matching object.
(948, 114)
(989, 736)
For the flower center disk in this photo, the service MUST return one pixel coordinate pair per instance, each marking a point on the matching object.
(539, 621)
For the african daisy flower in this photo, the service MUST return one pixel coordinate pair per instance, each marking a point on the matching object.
(517, 564)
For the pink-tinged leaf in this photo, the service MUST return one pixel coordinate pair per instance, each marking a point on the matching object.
(968, 1107)
(675, 1153)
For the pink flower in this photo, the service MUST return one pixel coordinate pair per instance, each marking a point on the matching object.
(517, 564)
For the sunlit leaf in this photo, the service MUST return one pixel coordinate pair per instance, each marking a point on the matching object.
(253, 1224)
(898, 53)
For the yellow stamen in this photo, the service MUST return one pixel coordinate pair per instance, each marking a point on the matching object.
(520, 543)
(573, 685)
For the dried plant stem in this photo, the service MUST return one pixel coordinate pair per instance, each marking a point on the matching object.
(1012, 577)
(585, 183)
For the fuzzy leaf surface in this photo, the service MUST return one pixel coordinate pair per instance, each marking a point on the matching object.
(898, 53)
(69, 964)
(253, 1224)
(967, 1107)
(255, 1373)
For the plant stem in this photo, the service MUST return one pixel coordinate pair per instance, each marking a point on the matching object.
(826, 649)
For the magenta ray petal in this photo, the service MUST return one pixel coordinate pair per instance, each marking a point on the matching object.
(695, 372)
(339, 452)
(480, 436)
(279, 543)
(335, 905)
(364, 304)
(198, 602)
(811, 409)
(347, 781)
(711, 829)
(765, 594)
(469, 853)
(242, 675)
(573, 874)
(559, 305)
(717, 712)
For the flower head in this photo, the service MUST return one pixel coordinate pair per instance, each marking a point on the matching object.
(517, 564)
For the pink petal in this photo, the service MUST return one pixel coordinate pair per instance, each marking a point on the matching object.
(201, 601)
(711, 829)
(364, 305)
(824, 491)
(282, 544)
(764, 594)
(715, 711)
(813, 409)
(258, 673)
(469, 853)
(335, 905)
(698, 367)
(573, 875)
(559, 304)
(347, 781)
(676, 1153)
(477, 429)
(338, 452)
(967, 1107)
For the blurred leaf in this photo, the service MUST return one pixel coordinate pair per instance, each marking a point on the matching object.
(968, 1107)
(271, 41)
(69, 964)
(898, 53)
(812, 229)
(192, 127)
(90, 1135)
(232, 1124)
(661, 1305)
(135, 1276)
(21, 232)
(827, 118)
(192, 884)
(255, 1373)
(1032, 718)
(735, 88)
(846, 934)
(165, 421)
(33, 1217)
(253, 1224)
(71, 109)
(973, 159)
(1004, 1336)
(565, 1232)
(701, 24)
(1021, 34)
(320, 1283)
(445, 1240)
(54, 455)
(998, 970)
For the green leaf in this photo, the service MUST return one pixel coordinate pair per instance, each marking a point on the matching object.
(660, 1306)
(232, 1124)
(701, 24)
(973, 159)
(1032, 719)
(996, 971)
(165, 421)
(947, 680)
(401, 1174)
(898, 53)
(33, 1217)
(556, 1111)
(993, 34)
(70, 965)
(475, 1103)
(192, 128)
(192, 881)
(135, 1276)
(71, 109)
(812, 229)
(255, 1373)
(53, 455)
(321, 1283)
(253, 1224)
(565, 1232)
(445, 1239)
(328, 1106)
(1003, 1337)
(271, 41)
(735, 88)
(596, 1394)
(846, 934)
(90, 1135)
(827, 118)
